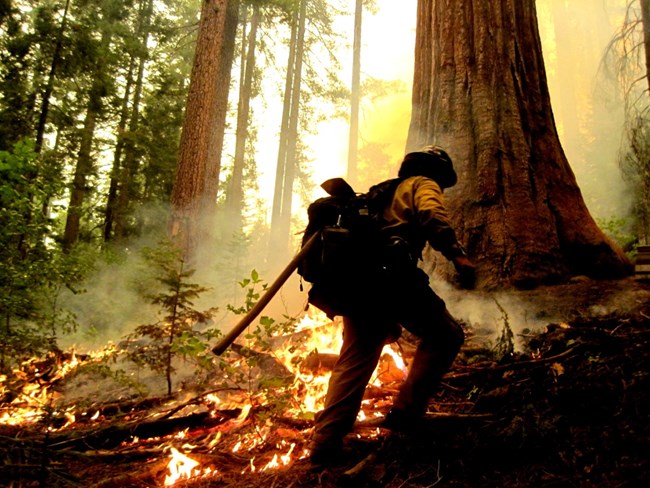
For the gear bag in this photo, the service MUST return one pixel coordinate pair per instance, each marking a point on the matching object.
(348, 254)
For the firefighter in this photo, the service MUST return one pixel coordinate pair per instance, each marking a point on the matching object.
(416, 215)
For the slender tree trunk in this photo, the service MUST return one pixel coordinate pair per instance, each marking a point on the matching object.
(47, 94)
(284, 132)
(287, 153)
(292, 140)
(127, 188)
(194, 193)
(49, 87)
(83, 170)
(355, 95)
(85, 163)
(118, 198)
(235, 196)
(480, 91)
(111, 200)
(223, 90)
(645, 18)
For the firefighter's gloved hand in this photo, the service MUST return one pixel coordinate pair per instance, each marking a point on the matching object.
(466, 272)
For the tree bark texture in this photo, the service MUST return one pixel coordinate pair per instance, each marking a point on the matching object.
(480, 91)
(194, 193)
(223, 90)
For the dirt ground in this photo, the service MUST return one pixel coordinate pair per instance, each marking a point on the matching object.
(567, 408)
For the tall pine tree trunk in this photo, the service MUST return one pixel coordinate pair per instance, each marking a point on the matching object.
(49, 86)
(355, 96)
(111, 199)
(194, 193)
(122, 172)
(83, 169)
(645, 19)
(480, 91)
(221, 109)
(287, 154)
(235, 195)
(85, 162)
(291, 165)
(127, 189)
(284, 132)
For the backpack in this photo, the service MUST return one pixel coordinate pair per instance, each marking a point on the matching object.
(351, 244)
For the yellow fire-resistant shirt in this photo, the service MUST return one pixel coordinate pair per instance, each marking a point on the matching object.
(417, 214)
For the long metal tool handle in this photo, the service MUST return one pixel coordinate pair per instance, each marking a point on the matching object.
(264, 300)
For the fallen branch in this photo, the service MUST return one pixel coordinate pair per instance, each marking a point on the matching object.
(112, 435)
(378, 421)
(511, 366)
(360, 467)
(197, 399)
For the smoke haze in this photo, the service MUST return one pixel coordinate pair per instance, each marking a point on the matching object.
(589, 118)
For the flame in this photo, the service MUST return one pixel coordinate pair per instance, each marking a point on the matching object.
(280, 460)
(316, 337)
(180, 467)
(319, 336)
(28, 405)
(32, 397)
(396, 356)
(243, 415)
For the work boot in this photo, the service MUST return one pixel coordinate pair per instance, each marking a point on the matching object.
(326, 453)
(402, 420)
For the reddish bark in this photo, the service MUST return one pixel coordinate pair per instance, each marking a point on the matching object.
(480, 91)
(195, 185)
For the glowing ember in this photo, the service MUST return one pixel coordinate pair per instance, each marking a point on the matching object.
(180, 467)
(215, 441)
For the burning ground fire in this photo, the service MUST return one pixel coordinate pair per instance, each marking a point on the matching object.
(308, 354)
(262, 440)
(30, 391)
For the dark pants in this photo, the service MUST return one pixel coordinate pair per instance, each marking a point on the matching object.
(415, 306)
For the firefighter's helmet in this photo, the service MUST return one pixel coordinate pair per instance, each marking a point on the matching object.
(432, 162)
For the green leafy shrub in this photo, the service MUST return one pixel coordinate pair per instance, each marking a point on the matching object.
(33, 271)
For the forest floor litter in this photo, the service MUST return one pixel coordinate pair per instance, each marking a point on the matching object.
(569, 407)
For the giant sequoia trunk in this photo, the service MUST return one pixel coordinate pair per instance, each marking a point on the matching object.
(480, 91)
